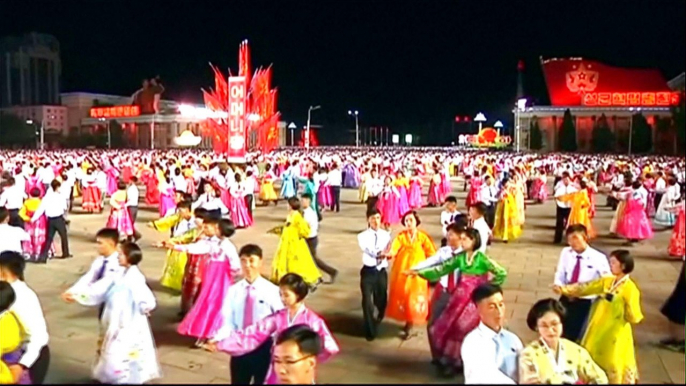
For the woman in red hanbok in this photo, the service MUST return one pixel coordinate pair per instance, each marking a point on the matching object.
(152, 192)
(434, 198)
(678, 239)
(91, 197)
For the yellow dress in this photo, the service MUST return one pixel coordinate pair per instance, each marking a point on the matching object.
(408, 297)
(175, 263)
(609, 335)
(507, 226)
(573, 364)
(11, 339)
(292, 254)
(580, 210)
(267, 192)
(363, 194)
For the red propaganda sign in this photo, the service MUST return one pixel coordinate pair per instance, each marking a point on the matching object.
(115, 112)
(663, 98)
(576, 81)
(237, 108)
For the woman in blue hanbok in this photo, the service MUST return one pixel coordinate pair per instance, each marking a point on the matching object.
(287, 184)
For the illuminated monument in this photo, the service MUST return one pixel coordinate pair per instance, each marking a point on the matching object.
(244, 107)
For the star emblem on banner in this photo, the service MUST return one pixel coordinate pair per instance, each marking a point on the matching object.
(582, 79)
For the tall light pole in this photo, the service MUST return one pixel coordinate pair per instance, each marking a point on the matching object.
(481, 118)
(521, 106)
(40, 135)
(357, 127)
(307, 131)
(292, 127)
(109, 132)
(498, 126)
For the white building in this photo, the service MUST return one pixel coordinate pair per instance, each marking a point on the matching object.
(52, 118)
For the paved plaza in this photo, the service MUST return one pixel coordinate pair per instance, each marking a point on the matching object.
(530, 263)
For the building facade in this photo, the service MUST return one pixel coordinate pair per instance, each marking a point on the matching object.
(590, 91)
(30, 70)
(53, 119)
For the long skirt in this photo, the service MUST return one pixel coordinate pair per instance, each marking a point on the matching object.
(173, 271)
(324, 197)
(37, 234)
(267, 192)
(204, 319)
(677, 242)
(12, 358)
(403, 201)
(92, 199)
(239, 212)
(619, 212)
(192, 280)
(674, 309)
(388, 207)
(415, 196)
(434, 198)
(634, 224)
(458, 319)
(120, 220)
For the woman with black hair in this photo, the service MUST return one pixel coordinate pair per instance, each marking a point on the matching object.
(126, 354)
(551, 359)
(293, 291)
(467, 270)
(609, 335)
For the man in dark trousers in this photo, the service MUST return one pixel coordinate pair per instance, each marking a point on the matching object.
(374, 243)
(54, 206)
(562, 188)
(312, 239)
(335, 180)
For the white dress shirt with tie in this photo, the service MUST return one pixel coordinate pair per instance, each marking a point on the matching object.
(28, 310)
(489, 194)
(448, 218)
(372, 242)
(593, 265)
(102, 268)
(52, 205)
(442, 255)
(490, 357)
(265, 299)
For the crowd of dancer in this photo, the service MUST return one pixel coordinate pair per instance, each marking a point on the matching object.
(271, 335)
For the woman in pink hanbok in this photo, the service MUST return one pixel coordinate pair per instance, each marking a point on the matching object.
(446, 189)
(324, 197)
(37, 230)
(539, 188)
(112, 178)
(402, 183)
(293, 290)
(434, 198)
(475, 185)
(649, 185)
(167, 198)
(415, 194)
(388, 204)
(205, 318)
(119, 218)
(239, 211)
(634, 224)
(33, 182)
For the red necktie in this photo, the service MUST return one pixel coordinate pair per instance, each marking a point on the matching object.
(577, 271)
(451, 282)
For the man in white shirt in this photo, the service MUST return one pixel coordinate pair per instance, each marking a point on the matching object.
(132, 196)
(11, 237)
(489, 196)
(54, 206)
(374, 189)
(247, 302)
(562, 188)
(249, 186)
(313, 238)
(45, 175)
(28, 310)
(489, 352)
(374, 243)
(446, 286)
(579, 263)
(448, 216)
(476, 214)
(12, 198)
(335, 180)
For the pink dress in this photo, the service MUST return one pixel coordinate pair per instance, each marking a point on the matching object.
(415, 194)
(120, 220)
(250, 338)
(388, 206)
(445, 185)
(474, 195)
(37, 234)
(32, 182)
(239, 212)
(539, 190)
(324, 197)
(167, 202)
(435, 191)
(634, 223)
(403, 200)
(205, 317)
(112, 178)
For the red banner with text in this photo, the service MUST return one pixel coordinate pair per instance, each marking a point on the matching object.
(578, 82)
(237, 108)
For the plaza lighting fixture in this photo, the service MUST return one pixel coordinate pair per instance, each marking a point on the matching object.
(307, 129)
(292, 126)
(187, 139)
(481, 118)
(357, 126)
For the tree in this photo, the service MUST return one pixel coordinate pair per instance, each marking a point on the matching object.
(568, 133)
(536, 141)
(603, 139)
(641, 135)
(15, 132)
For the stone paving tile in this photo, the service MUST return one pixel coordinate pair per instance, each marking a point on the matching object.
(530, 262)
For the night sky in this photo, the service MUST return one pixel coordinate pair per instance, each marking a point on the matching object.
(411, 67)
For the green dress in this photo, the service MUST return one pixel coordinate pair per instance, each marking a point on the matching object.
(481, 265)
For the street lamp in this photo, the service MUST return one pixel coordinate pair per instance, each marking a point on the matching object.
(292, 126)
(41, 133)
(521, 106)
(307, 134)
(481, 118)
(498, 125)
(357, 127)
(109, 133)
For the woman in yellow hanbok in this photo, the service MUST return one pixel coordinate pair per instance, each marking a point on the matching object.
(292, 254)
(520, 193)
(267, 192)
(12, 338)
(363, 193)
(609, 335)
(507, 224)
(580, 212)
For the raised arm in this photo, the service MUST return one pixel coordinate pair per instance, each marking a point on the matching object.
(240, 342)
(435, 272)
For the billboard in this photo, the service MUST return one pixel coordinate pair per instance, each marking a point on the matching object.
(237, 108)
